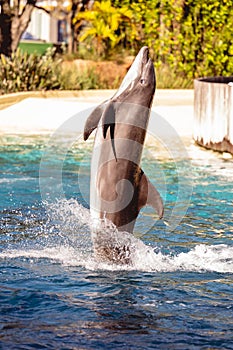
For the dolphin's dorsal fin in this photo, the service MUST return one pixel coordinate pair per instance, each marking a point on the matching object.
(93, 120)
(108, 122)
(148, 195)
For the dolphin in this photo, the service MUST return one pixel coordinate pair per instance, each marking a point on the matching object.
(119, 188)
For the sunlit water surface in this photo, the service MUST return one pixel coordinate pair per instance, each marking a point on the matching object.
(176, 294)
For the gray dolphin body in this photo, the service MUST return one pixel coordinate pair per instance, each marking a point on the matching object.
(119, 187)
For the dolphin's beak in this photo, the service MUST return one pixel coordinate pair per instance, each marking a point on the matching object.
(135, 70)
(147, 68)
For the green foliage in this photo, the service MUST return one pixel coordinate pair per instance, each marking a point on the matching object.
(104, 25)
(167, 78)
(31, 72)
(191, 37)
(207, 46)
(187, 39)
(74, 79)
(28, 72)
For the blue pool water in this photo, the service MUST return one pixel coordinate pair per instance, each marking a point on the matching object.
(177, 294)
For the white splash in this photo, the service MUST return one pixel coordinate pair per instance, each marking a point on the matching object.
(72, 246)
(218, 258)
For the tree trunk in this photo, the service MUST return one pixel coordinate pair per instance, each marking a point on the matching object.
(20, 24)
(5, 34)
(69, 32)
(13, 25)
(77, 6)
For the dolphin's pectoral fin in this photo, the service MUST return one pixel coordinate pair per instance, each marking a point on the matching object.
(108, 122)
(93, 120)
(148, 195)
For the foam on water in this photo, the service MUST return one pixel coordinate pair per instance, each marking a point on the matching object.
(216, 163)
(11, 180)
(66, 240)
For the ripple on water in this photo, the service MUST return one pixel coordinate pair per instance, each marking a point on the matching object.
(175, 294)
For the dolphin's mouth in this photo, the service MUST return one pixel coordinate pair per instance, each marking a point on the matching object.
(145, 55)
(146, 65)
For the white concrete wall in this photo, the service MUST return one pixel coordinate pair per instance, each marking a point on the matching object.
(213, 113)
(43, 26)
